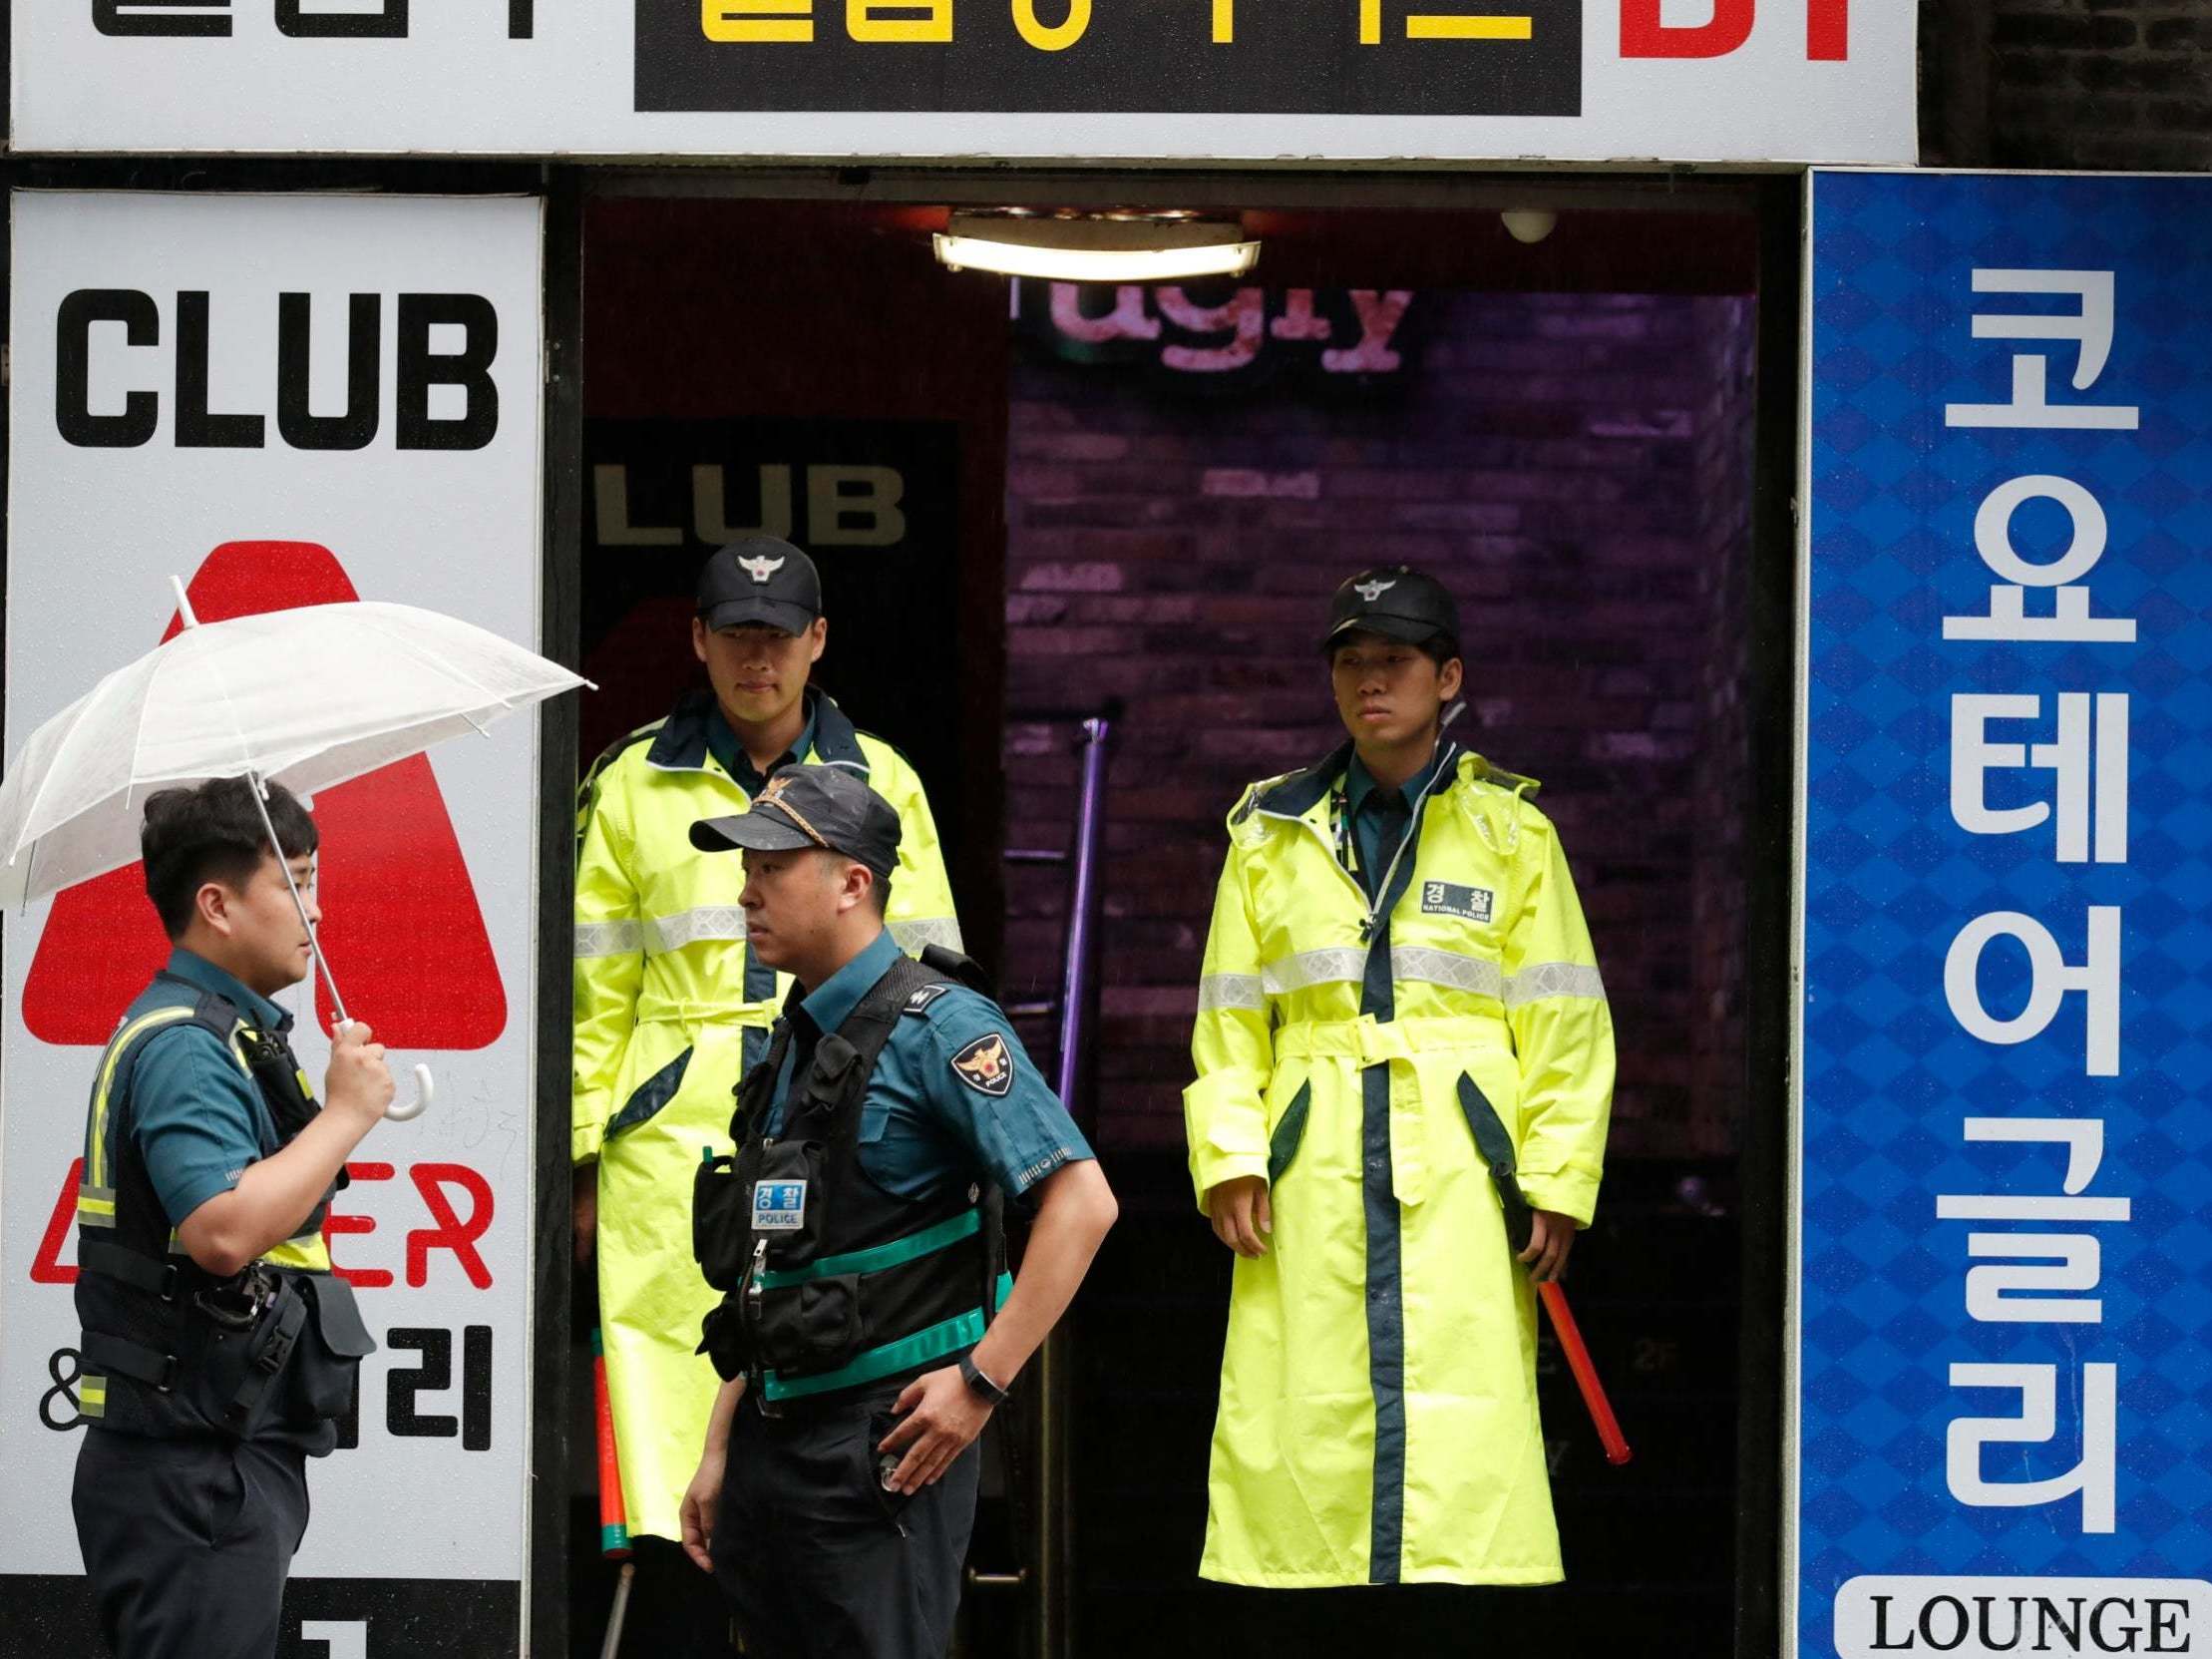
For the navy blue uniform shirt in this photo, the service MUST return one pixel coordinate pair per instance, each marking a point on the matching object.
(1379, 818)
(722, 743)
(197, 1113)
(938, 1109)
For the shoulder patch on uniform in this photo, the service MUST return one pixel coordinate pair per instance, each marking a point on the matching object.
(986, 1066)
(1518, 783)
(623, 744)
(1250, 803)
(588, 790)
(920, 1001)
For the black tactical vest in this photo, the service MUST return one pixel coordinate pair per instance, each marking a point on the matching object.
(169, 1349)
(869, 1289)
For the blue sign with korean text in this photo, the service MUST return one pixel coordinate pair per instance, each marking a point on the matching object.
(2003, 1388)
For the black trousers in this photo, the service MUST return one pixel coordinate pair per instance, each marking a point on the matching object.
(675, 1610)
(818, 1560)
(186, 1542)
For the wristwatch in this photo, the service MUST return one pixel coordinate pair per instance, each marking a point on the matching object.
(982, 1387)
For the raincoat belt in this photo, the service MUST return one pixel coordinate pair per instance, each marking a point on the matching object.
(657, 1009)
(1374, 1042)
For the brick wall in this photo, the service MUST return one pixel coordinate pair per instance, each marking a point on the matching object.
(2104, 84)
(1723, 775)
(1574, 466)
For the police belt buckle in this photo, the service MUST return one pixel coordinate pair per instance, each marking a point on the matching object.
(238, 1306)
(281, 1342)
(757, 1386)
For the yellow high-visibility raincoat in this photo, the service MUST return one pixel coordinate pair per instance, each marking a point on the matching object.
(670, 1007)
(1378, 1417)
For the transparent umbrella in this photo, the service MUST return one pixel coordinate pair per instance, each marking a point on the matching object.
(306, 697)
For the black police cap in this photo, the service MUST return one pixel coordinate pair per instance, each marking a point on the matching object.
(1398, 603)
(829, 807)
(761, 580)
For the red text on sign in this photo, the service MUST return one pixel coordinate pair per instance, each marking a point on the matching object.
(1646, 34)
(449, 1231)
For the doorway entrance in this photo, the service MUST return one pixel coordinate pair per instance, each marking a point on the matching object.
(1035, 502)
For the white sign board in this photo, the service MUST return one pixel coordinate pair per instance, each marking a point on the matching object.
(1741, 81)
(289, 400)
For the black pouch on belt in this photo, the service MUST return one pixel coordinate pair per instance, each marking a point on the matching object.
(720, 1223)
(280, 1348)
(245, 1332)
(327, 1358)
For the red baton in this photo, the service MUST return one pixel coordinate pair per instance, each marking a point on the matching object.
(1585, 1374)
(614, 1533)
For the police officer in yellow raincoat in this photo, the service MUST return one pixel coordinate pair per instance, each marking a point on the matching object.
(670, 1007)
(1396, 946)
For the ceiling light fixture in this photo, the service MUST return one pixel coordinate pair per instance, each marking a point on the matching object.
(1529, 225)
(1096, 247)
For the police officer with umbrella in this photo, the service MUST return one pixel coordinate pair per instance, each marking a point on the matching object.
(217, 1347)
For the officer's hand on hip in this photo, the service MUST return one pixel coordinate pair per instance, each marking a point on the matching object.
(1551, 1236)
(939, 1416)
(358, 1083)
(1241, 1213)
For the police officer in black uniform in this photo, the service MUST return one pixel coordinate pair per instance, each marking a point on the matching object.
(217, 1349)
(867, 1328)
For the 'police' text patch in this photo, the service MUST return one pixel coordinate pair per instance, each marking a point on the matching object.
(986, 1066)
(1443, 898)
(779, 1206)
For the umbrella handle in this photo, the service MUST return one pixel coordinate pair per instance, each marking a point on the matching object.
(425, 1090)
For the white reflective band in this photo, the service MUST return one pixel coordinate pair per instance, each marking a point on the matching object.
(1231, 991)
(1312, 968)
(1478, 976)
(925, 929)
(720, 923)
(1554, 979)
(607, 939)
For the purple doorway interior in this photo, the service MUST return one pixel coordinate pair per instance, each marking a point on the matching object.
(1575, 467)
(1144, 498)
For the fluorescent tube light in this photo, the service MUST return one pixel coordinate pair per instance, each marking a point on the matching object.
(1095, 249)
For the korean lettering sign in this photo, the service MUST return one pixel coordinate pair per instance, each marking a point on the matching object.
(2004, 1324)
(1086, 80)
(1466, 57)
(289, 400)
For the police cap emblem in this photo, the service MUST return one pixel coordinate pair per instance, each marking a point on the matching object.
(1372, 591)
(760, 570)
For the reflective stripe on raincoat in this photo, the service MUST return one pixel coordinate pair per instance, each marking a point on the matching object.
(670, 1009)
(1379, 1418)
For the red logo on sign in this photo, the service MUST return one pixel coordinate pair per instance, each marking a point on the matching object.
(1643, 34)
(401, 922)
